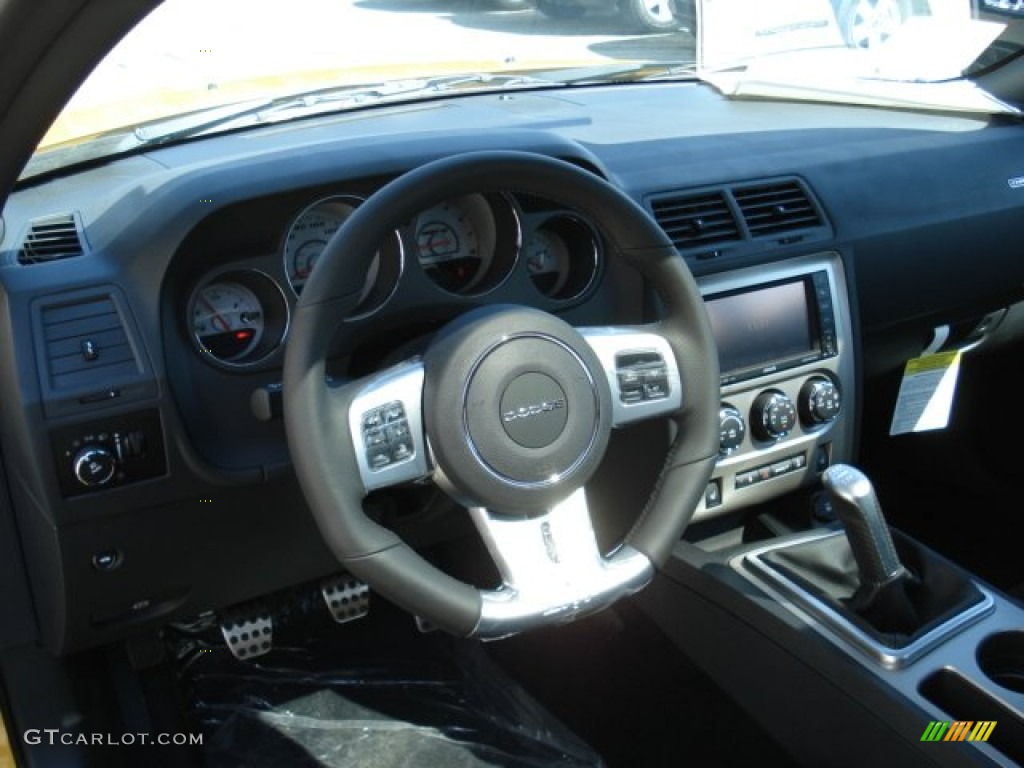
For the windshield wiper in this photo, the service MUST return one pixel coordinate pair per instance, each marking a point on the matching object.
(321, 101)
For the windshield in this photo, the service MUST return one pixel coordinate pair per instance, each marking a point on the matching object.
(195, 67)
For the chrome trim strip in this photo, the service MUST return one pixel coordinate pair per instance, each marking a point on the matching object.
(830, 623)
(551, 569)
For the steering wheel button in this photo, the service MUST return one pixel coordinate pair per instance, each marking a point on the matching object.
(372, 420)
(378, 458)
(375, 437)
(630, 379)
(656, 389)
(393, 412)
(629, 396)
(398, 431)
(401, 451)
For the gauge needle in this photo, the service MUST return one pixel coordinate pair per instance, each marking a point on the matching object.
(217, 320)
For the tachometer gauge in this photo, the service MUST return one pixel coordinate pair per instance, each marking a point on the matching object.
(227, 320)
(455, 243)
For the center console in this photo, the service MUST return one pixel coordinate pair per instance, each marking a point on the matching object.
(786, 357)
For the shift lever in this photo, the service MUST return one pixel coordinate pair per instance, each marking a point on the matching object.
(861, 576)
(854, 500)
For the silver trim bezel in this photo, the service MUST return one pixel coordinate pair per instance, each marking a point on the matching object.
(828, 622)
(803, 439)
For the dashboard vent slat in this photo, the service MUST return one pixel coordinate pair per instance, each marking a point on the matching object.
(52, 238)
(696, 220)
(775, 208)
(86, 343)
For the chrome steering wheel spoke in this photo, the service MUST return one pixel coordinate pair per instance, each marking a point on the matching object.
(551, 568)
(641, 369)
(385, 421)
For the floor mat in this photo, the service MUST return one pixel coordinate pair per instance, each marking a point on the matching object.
(375, 696)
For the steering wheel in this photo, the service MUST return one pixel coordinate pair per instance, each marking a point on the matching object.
(509, 411)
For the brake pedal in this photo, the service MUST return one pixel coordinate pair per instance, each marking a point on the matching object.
(347, 598)
(248, 634)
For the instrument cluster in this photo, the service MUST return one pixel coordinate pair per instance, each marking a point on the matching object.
(469, 246)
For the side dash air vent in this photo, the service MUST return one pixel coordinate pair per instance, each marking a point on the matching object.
(776, 208)
(86, 344)
(51, 238)
(696, 220)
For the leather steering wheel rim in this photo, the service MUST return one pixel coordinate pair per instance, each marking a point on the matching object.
(324, 452)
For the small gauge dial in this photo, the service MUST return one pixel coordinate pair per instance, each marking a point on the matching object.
(455, 243)
(547, 261)
(227, 320)
(562, 256)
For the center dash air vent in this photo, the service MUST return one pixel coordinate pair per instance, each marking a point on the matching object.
(696, 219)
(51, 238)
(775, 208)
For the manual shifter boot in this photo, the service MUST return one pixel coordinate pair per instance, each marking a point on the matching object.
(895, 591)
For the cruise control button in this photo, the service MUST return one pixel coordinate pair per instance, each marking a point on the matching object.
(630, 380)
(655, 387)
(632, 395)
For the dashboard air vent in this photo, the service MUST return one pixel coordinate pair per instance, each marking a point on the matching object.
(86, 344)
(51, 238)
(777, 207)
(696, 220)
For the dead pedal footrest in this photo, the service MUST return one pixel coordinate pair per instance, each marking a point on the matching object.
(347, 598)
(248, 633)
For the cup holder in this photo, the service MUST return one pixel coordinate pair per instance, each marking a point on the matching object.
(1001, 657)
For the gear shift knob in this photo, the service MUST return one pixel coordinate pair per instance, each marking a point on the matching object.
(853, 498)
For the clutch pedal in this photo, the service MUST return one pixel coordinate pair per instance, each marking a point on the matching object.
(248, 633)
(347, 598)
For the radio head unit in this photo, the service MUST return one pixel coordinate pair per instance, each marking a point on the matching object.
(771, 327)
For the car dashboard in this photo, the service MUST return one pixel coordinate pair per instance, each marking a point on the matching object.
(141, 415)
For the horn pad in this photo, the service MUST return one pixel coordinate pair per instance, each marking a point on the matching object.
(518, 409)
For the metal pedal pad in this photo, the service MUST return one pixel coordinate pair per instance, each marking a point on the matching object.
(347, 598)
(248, 634)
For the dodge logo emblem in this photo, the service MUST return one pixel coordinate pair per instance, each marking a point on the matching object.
(535, 409)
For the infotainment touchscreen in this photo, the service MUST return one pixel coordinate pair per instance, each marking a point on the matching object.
(765, 328)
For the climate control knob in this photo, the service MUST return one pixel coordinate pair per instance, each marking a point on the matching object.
(773, 415)
(731, 429)
(94, 466)
(820, 401)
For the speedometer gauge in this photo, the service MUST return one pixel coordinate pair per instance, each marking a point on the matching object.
(308, 235)
(227, 320)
